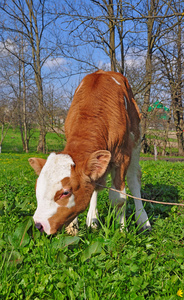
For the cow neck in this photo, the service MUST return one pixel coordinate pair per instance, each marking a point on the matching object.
(80, 151)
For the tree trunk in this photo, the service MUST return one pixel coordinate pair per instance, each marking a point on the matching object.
(112, 36)
(148, 76)
(38, 78)
(41, 117)
(166, 135)
(3, 133)
(176, 89)
(178, 121)
(179, 110)
(121, 68)
(146, 102)
(19, 107)
(26, 139)
(174, 76)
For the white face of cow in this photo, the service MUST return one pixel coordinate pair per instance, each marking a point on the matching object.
(63, 190)
(49, 182)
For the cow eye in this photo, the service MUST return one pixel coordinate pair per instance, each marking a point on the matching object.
(65, 193)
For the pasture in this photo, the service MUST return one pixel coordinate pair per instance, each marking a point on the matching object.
(96, 264)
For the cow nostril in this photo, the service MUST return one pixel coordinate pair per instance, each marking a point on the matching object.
(39, 227)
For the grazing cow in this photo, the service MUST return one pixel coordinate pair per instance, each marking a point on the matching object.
(103, 135)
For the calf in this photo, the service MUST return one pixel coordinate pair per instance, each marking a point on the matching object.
(103, 135)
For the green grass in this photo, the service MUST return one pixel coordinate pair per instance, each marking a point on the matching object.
(156, 136)
(13, 144)
(97, 264)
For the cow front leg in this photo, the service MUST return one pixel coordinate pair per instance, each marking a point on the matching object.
(92, 216)
(72, 228)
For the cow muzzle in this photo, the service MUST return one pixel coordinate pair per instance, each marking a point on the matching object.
(42, 226)
(39, 227)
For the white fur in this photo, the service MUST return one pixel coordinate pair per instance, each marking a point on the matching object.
(120, 84)
(71, 201)
(79, 86)
(92, 212)
(57, 167)
(116, 81)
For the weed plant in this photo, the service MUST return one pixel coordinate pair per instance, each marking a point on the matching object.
(96, 264)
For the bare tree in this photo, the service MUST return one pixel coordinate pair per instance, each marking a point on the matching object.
(100, 24)
(28, 20)
(8, 92)
(171, 51)
(14, 86)
(152, 9)
(111, 23)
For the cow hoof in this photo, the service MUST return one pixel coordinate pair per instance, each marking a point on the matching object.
(123, 229)
(72, 229)
(94, 224)
(145, 229)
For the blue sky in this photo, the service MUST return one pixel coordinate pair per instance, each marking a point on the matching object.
(60, 69)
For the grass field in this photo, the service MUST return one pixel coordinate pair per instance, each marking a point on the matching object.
(12, 142)
(96, 264)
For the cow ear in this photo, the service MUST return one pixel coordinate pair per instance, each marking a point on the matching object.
(97, 164)
(37, 164)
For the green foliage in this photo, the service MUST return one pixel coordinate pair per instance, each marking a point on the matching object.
(97, 264)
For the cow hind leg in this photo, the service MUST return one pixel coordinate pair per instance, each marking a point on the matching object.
(118, 199)
(134, 184)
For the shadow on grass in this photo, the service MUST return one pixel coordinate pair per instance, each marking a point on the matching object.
(162, 193)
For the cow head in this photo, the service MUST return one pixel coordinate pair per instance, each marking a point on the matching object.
(64, 189)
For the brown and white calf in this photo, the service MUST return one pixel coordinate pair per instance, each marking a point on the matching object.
(103, 135)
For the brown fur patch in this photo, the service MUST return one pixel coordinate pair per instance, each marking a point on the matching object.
(63, 201)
